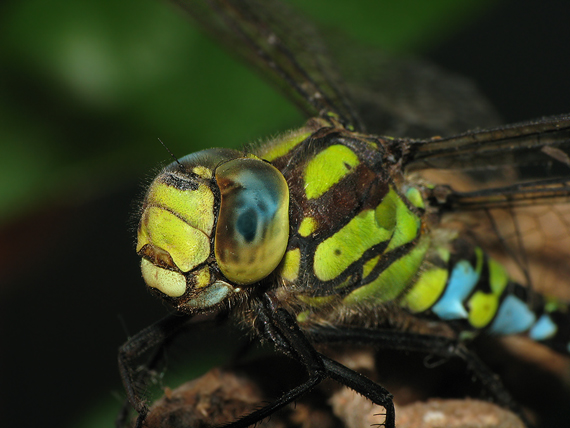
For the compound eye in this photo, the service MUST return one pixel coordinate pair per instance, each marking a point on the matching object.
(253, 223)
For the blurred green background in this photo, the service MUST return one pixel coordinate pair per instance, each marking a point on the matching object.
(87, 88)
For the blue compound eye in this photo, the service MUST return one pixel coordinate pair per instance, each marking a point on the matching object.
(253, 223)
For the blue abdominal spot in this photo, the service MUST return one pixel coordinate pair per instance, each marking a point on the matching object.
(544, 328)
(513, 316)
(461, 282)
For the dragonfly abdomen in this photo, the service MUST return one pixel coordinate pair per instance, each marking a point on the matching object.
(475, 292)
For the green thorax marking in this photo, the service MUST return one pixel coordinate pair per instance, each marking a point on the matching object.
(352, 233)
(327, 168)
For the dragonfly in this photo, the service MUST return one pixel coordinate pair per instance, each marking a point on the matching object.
(360, 224)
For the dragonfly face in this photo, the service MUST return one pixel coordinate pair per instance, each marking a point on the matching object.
(212, 222)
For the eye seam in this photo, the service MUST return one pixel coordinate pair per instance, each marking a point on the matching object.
(214, 186)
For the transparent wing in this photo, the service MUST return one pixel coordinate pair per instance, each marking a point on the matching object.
(542, 143)
(269, 36)
(405, 96)
(366, 89)
(532, 241)
(515, 199)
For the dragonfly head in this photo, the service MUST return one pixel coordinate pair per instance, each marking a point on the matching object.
(212, 224)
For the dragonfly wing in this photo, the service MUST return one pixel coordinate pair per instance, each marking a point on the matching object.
(541, 143)
(282, 46)
(405, 96)
(523, 217)
(365, 88)
(532, 241)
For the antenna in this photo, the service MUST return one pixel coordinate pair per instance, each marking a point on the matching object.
(171, 154)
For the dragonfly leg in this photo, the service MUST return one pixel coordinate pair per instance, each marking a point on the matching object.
(364, 386)
(428, 344)
(154, 336)
(280, 327)
(336, 371)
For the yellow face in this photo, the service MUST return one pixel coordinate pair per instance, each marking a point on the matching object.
(212, 224)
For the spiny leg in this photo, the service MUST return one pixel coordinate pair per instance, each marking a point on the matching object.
(277, 325)
(153, 336)
(280, 326)
(364, 386)
(427, 344)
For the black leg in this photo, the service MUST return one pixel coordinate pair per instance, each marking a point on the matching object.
(154, 336)
(364, 386)
(278, 326)
(336, 371)
(255, 417)
(427, 344)
(281, 328)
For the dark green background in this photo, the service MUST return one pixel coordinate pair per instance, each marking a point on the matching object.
(86, 88)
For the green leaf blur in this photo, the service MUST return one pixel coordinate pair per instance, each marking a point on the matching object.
(88, 88)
